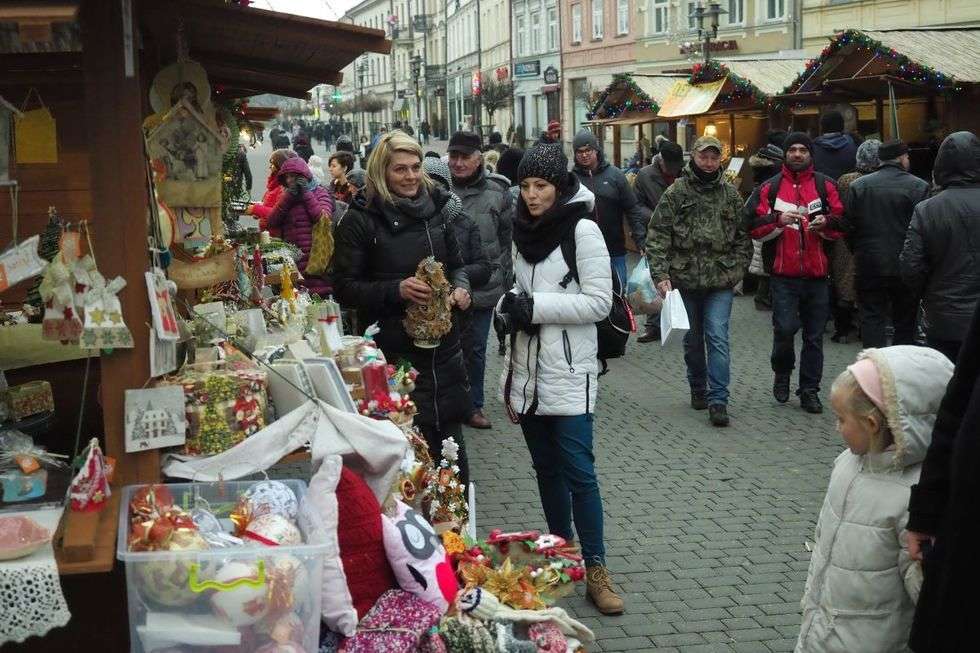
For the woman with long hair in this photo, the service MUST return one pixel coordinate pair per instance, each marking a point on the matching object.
(551, 378)
(273, 189)
(400, 218)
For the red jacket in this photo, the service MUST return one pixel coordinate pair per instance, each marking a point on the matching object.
(794, 250)
(262, 211)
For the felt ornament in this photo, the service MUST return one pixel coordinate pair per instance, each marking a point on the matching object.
(418, 558)
(90, 487)
(83, 271)
(20, 262)
(104, 326)
(60, 320)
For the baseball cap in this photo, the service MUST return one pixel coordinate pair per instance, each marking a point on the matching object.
(705, 142)
(465, 143)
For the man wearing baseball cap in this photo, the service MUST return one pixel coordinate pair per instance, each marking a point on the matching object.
(487, 201)
(697, 243)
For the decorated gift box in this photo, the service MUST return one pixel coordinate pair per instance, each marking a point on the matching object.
(224, 405)
(30, 399)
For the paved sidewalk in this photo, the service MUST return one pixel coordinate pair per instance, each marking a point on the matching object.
(704, 527)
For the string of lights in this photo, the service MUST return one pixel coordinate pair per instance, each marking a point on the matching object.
(636, 100)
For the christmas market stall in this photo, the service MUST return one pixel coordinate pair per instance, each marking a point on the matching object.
(188, 434)
(914, 84)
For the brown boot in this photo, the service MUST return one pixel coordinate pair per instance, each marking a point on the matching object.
(478, 421)
(600, 590)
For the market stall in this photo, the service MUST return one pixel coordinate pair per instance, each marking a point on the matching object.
(912, 84)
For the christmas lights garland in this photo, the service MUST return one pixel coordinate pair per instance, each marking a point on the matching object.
(906, 68)
(639, 101)
(712, 71)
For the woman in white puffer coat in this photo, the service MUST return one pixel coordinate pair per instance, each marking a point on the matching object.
(549, 384)
(862, 585)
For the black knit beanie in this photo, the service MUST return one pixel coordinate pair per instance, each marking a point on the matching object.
(546, 161)
(508, 163)
(797, 138)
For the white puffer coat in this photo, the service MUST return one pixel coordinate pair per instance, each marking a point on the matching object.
(565, 369)
(862, 586)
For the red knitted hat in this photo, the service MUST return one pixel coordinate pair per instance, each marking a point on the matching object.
(361, 539)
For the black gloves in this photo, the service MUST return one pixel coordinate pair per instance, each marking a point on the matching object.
(516, 313)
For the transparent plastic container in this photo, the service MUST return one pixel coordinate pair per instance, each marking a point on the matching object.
(236, 598)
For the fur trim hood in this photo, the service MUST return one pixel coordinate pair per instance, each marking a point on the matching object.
(913, 382)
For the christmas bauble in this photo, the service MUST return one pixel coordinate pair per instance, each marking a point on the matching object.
(273, 530)
(273, 497)
(243, 604)
(289, 584)
(206, 521)
(167, 581)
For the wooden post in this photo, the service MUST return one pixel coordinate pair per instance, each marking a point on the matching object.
(114, 114)
(880, 117)
(731, 133)
(617, 146)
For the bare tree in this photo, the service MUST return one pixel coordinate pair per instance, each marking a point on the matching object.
(496, 95)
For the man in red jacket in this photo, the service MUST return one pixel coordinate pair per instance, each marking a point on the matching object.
(797, 210)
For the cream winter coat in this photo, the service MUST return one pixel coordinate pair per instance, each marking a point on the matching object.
(566, 366)
(862, 586)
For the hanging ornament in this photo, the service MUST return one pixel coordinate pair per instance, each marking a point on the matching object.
(104, 326)
(90, 487)
(60, 320)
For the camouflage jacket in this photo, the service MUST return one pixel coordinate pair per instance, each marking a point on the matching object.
(696, 237)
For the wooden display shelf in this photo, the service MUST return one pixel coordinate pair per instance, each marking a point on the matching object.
(86, 542)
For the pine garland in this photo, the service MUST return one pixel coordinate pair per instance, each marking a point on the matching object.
(637, 101)
(47, 249)
(743, 88)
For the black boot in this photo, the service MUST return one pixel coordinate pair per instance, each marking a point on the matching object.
(718, 414)
(810, 401)
(780, 387)
(651, 334)
(699, 400)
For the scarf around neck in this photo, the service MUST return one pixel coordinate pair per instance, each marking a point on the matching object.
(537, 237)
(702, 176)
(420, 207)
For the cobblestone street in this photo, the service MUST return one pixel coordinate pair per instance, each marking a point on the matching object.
(705, 527)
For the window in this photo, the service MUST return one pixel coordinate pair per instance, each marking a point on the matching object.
(535, 32)
(660, 9)
(597, 11)
(576, 23)
(692, 23)
(622, 17)
(552, 28)
(775, 9)
(736, 12)
(521, 36)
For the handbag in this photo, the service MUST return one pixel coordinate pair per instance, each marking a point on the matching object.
(321, 251)
(673, 319)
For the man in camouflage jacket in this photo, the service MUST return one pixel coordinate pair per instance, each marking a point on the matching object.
(697, 243)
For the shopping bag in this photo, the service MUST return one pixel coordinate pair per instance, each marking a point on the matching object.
(673, 319)
(35, 133)
(322, 249)
(642, 296)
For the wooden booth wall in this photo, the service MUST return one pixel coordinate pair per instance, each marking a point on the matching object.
(64, 185)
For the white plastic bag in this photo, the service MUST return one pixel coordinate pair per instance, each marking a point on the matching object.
(642, 296)
(673, 319)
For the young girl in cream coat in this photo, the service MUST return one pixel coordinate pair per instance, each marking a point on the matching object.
(862, 586)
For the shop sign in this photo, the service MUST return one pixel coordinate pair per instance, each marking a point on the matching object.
(716, 46)
(527, 68)
(550, 75)
(688, 99)
(476, 82)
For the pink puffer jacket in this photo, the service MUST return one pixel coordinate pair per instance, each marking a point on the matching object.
(296, 214)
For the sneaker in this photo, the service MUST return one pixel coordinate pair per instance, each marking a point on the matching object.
(478, 421)
(600, 591)
(699, 400)
(810, 401)
(780, 388)
(652, 334)
(718, 414)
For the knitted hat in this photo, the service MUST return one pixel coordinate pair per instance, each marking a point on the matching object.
(553, 126)
(361, 540)
(892, 149)
(546, 161)
(437, 169)
(509, 160)
(831, 122)
(797, 138)
(670, 152)
(867, 158)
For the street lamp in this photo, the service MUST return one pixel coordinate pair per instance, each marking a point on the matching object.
(416, 62)
(699, 13)
(361, 72)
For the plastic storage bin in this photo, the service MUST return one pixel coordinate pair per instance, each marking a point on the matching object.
(236, 598)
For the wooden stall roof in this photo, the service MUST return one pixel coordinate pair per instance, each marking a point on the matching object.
(863, 64)
(645, 92)
(768, 75)
(247, 50)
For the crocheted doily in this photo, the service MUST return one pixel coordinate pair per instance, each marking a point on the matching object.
(31, 602)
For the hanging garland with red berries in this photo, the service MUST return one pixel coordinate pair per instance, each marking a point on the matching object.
(904, 67)
(636, 100)
(703, 73)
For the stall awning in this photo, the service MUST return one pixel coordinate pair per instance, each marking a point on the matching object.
(686, 99)
(865, 64)
(249, 50)
(636, 98)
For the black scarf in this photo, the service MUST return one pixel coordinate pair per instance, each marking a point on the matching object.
(537, 237)
(420, 207)
(705, 177)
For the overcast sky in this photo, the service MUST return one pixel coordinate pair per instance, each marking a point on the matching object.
(326, 9)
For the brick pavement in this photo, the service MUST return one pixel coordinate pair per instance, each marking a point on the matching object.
(704, 526)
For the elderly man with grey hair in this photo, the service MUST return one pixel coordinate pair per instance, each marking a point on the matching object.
(879, 208)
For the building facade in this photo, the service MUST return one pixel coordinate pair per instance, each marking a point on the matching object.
(495, 65)
(822, 18)
(464, 59)
(536, 68)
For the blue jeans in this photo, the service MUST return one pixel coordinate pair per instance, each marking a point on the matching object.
(475, 350)
(619, 267)
(799, 303)
(709, 312)
(561, 450)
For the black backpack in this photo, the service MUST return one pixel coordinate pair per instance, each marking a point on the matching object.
(614, 330)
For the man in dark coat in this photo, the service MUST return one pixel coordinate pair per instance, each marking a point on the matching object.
(944, 513)
(614, 200)
(651, 182)
(834, 151)
(939, 260)
(879, 208)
